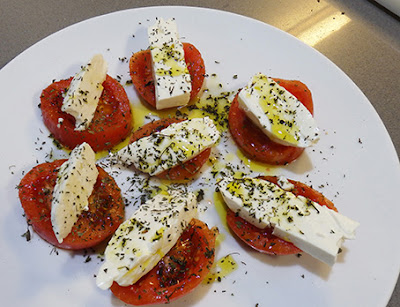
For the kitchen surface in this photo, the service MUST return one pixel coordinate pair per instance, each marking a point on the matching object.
(361, 37)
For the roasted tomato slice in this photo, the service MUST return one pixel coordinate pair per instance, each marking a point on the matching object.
(111, 124)
(105, 214)
(262, 239)
(253, 142)
(178, 272)
(140, 68)
(179, 172)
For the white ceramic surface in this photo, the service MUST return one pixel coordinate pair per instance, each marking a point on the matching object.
(354, 164)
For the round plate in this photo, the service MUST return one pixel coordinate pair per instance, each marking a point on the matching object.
(354, 164)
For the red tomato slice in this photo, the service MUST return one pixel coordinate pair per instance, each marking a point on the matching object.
(140, 68)
(105, 214)
(306, 191)
(262, 239)
(179, 172)
(178, 273)
(253, 142)
(111, 124)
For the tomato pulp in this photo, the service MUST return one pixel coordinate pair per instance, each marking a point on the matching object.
(180, 271)
(253, 142)
(182, 171)
(111, 124)
(140, 68)
(262, 239)
(105, 214)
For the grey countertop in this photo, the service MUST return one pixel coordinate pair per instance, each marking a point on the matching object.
(367, 49)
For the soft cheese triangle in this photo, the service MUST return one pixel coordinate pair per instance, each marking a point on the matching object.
(83, 95)
(140, 242)
(278, 113)
(171, 76)
(313, 228)
(176, 144)
(75, 181)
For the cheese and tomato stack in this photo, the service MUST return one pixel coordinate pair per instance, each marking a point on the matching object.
(311, 227)
(271, 120)
(172, 146)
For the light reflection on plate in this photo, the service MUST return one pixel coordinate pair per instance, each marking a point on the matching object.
(344, 165)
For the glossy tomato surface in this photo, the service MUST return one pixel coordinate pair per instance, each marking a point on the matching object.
(179, 272)
(253, 142)
(111, 124)
(140, 68)
(179, 172)
(262, 239)
(105, 214)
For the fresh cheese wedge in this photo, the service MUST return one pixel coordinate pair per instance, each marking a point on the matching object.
(278, 113)
(140, 242)
(174, 145)
(171, 76)
(83, 95)
(313, 228)
(75, 181)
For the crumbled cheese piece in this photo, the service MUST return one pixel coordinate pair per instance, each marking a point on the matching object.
(285, 184)
(60, 121)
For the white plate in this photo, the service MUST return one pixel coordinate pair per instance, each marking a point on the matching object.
(354, 164)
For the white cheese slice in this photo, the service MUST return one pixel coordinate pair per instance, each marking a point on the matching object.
(140, 242)
(75, 181)
(171, 76)
(285, 184)
(83, 95)
(313, 228)
(174, 145)
(278, 113)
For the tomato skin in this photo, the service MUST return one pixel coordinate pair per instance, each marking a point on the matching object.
(299, 90)
(178, 272)
(179, 172)
(111, 124)
(304, 190)
(263, 240)
(197, 70)
(105, 214)
(140, 68)
(253, 142)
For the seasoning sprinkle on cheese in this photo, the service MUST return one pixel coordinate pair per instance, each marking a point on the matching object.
(75, 181)
(140, 242)
(171, 76)
(278, 113)
(84, 93)
(176, 144)
(313, 228)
